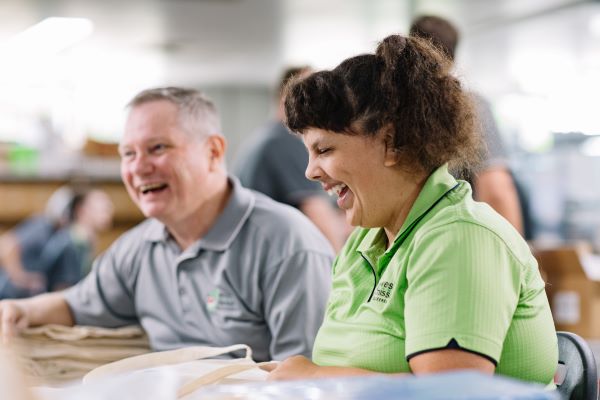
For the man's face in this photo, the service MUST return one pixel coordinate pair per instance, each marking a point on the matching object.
(164, 168)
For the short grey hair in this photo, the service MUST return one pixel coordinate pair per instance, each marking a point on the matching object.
(198, 114)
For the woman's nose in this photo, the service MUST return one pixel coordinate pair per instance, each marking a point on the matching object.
(313, 172)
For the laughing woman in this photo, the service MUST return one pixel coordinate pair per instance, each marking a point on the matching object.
(432, 280)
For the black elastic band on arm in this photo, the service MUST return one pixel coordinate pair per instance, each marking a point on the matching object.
(453, 344)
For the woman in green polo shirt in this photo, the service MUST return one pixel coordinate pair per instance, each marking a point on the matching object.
(431, 280)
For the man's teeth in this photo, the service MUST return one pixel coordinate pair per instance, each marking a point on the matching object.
(337, 189)
(151, 186)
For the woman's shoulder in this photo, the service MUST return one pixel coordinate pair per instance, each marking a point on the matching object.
(474, 219)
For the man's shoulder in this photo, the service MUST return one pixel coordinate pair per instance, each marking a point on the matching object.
(276, 215)
(127, 252)
(281, 224)
(136, 237)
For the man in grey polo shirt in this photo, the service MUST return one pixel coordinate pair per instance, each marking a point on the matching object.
(214, 264)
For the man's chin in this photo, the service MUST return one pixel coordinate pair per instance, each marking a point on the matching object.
(152, 212)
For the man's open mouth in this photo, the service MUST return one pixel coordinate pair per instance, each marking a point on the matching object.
(152, 188)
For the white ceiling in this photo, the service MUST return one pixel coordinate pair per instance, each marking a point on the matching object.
(513, 51)
(247, 41)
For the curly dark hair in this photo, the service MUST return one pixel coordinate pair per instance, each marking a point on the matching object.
(405, 87)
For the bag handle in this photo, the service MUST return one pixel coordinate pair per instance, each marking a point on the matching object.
(216, 376)
(161, 358)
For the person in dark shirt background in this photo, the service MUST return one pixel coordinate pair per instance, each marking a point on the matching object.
(274, 161)
(494, 183)
(53, 250)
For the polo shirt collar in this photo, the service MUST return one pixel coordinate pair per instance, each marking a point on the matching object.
(230, 222)
(226, 227)
(156, 232)
(436, 186)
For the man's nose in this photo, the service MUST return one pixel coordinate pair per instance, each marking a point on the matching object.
(141, 165)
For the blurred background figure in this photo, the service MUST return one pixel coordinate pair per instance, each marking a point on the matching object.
(494, 183)
(53, 251)
(274, 161)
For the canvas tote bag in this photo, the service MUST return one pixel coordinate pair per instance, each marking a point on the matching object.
(54, 354)
(192, 364)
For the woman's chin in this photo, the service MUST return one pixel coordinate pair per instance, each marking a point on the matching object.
(352, 219)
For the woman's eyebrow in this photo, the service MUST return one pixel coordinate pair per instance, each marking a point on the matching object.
(315, 145)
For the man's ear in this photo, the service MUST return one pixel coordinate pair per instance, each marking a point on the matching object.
(216, 146)
(391, 154)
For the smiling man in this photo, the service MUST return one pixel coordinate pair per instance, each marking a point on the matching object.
(214, 264)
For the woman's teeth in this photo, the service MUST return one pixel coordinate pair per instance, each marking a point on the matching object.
(337, 189)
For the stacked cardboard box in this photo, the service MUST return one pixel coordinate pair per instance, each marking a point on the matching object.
(572, 276)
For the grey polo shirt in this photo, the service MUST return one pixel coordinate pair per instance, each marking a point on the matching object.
(260, 276)
(273, 162)
(496, 153)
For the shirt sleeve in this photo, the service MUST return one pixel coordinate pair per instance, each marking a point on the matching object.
(295, 295)
(286, 161)
(105, 296)
(462, 285)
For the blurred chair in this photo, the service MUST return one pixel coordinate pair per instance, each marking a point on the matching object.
(577, 377)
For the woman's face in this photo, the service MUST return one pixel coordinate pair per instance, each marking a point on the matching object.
(355, 169)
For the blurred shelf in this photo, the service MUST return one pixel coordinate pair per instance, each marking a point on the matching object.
(65, 168)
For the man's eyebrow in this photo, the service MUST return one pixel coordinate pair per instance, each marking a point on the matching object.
(146, 141)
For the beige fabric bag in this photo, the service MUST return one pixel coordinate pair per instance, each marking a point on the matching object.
(190, 364)
(53, 354)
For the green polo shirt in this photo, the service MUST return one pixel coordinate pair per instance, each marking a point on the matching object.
(456, 272)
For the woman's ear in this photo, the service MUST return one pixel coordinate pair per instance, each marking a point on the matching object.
(391, 154)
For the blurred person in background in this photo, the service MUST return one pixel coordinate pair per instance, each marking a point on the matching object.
(53, 251)
(93, 213)
(213, 264)
(493, 183)
(273, 162)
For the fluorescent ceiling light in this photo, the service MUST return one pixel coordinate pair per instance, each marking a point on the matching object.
(49, 36)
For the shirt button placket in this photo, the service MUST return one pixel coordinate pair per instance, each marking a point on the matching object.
(182, 281)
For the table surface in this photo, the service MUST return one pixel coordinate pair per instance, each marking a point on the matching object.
(448, 386)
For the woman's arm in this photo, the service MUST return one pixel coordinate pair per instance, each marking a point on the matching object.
(10, 260)
(448, 360)
(299, 367)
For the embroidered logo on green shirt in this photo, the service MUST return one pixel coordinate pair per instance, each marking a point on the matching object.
(383, 291)
(213, 299)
